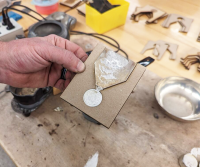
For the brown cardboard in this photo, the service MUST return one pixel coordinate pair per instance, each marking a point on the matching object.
(173, 18)
(160, 47)
(192, 57)
(70, 3)
(155, 12)
(113, 97)
(82, 9)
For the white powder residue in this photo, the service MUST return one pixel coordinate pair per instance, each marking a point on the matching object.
(111, 65)
(106, 73)
(114, 60)
(93, 161)
(164, 147)
(112, 68)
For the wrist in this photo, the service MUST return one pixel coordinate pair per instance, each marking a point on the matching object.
(3, 52)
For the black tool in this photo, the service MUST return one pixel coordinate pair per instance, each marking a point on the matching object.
(26, 104)
(146, 61)
(102, 5)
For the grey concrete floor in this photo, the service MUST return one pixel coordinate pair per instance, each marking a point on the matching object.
(5, 160)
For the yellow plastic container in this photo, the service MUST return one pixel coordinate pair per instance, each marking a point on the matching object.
(102, 22)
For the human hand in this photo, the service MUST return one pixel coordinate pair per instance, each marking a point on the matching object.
(37, 62)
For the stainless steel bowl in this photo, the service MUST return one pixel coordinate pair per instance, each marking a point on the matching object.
(179, 97)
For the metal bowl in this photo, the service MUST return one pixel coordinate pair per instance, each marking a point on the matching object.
(179, 97)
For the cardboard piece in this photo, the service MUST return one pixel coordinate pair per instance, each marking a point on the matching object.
(183, 21)
(160, 47)
(198, 38)
(151, 12)
(82, 9)
(192, 57)
(113, 97)
(172, 48)
(70, 3)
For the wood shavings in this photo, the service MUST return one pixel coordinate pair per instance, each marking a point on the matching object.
(58, 109)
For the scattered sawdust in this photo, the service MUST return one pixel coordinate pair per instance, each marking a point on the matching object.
(58, 109)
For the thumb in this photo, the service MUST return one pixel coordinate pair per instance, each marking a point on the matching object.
(63, 57)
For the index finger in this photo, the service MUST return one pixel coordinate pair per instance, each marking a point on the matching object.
(68, 45)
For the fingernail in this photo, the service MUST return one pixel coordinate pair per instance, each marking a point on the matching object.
(80, 66)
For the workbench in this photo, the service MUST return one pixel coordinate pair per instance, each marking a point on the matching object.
(140, 136)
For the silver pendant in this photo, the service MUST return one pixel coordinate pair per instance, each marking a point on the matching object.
(92, 97)
(110, 69)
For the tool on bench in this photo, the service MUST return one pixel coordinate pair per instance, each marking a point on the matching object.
(153, 14)
(64, 19)
(100, 5)
(45, 28)
(58, 23)
(183, 21)
(160, 47)
(27, 100)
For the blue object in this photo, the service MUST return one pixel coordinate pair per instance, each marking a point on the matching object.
(44, 2)
(13, 15)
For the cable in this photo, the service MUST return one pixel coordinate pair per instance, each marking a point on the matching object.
(96, 36)
(4, 16)
(26, 8)
(118, 47)
(24, 13)
(92, 34)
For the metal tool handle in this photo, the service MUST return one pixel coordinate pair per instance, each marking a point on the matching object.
(146, 61)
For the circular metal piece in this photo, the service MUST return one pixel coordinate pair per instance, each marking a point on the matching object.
(92, 98)
(179, 97)
(47, 27)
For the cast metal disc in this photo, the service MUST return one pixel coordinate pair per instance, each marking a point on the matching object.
(92, 98)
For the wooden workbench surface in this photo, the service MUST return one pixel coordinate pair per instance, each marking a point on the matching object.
(134, 35)
(136, 138)
(65, 139)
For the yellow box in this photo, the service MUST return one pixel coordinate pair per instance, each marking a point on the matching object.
(102, 22)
